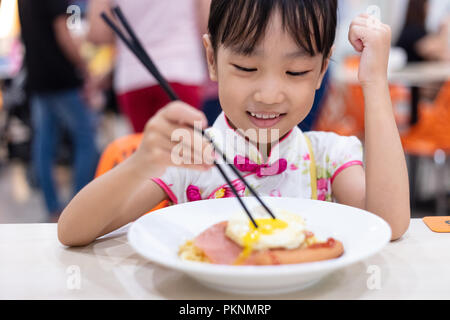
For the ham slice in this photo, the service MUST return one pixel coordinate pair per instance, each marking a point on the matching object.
(222, 250)
(217, 246)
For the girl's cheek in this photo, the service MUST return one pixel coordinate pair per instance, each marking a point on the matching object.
(302, 93)
(303, 99)
(233, 92)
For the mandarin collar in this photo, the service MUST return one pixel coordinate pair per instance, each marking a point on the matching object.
(232, 143)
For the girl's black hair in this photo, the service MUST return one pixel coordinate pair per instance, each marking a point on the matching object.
(241, 23)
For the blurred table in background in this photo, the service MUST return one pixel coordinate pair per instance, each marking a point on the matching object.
(413, 75)
(417, 74)
(427, 137)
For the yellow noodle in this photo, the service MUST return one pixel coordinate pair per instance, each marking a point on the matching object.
(189, 251)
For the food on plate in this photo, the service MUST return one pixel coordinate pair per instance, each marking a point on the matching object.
(284, 240)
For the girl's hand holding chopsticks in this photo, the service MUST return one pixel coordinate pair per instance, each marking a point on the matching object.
(169, 139)
(160, 155)
(126, 192)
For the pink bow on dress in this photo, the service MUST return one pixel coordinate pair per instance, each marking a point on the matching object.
(246, 165)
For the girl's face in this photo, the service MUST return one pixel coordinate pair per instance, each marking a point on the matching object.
(273, 88)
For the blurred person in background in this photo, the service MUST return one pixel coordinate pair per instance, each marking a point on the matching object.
(170, 31)
(438, 15)
(56, 74)
(418, 42)
(210, 92)
(422, 45)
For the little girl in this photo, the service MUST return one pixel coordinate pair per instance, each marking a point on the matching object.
(268, 58)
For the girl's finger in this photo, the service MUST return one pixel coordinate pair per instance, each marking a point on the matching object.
(363, 15)
(369, 21)
(167, 153)
(166, 128)
(199, 147)
(359, 21)
(180, 112)
(356, 37)
(156, 140)
(185, 156)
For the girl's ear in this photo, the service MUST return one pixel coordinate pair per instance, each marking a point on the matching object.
(209, 51)
(324, 69)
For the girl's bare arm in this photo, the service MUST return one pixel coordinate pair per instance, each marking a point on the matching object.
(127, 192)
(112, 200)
(383, 188)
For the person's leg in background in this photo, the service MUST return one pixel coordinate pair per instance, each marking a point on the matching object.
(75, 115)
(44, 146)
(142, 104)
(308, 123)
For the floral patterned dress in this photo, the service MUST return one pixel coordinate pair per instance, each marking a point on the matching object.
(301, 165)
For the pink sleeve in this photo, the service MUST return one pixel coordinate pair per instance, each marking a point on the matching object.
(167, 189)
(345, 166)
(175, 182)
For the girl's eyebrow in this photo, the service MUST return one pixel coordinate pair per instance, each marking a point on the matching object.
(243, 52)
(299, 53)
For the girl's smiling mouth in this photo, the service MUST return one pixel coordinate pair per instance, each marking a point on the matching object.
(265, 119)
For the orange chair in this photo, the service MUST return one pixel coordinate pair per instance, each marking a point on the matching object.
(343, 111)
(116, 152)
(339, 112)
(432, 132)
(430, 137)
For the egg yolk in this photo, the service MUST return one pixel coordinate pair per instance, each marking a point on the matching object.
(266, 226)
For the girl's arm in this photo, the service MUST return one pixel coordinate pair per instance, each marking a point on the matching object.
(383, 188)
(112, 200)
(99, 32)
(126, 192)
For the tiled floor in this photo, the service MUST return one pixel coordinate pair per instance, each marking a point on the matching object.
(20, 203)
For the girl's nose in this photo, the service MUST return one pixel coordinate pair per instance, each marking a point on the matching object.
(269, 92)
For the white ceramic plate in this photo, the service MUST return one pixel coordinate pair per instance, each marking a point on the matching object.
(157, 236)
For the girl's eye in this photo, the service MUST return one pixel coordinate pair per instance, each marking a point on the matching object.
(244, 69)
(296, 74)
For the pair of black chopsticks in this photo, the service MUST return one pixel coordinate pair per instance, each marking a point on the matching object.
(136, 47)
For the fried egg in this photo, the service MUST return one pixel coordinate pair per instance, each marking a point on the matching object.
(286, 231)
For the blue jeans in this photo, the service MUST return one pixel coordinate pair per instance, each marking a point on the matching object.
(50, 113)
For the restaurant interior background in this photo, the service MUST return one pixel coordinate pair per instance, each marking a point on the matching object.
(420, 94)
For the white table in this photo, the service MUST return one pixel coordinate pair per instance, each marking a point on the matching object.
(34, 265)
(417, 74)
